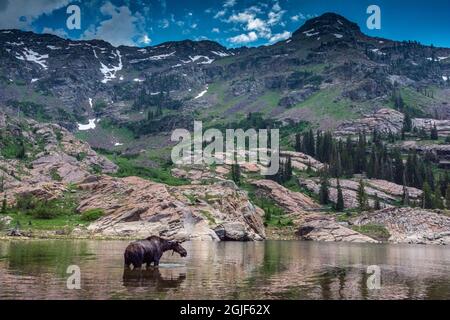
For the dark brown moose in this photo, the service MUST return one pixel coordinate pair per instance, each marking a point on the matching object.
(150, 251)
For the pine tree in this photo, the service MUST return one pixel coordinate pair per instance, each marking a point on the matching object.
(407, 123)
(405, 196)
(434, 133)
(361, 196)
(236, 173)
(4, 204)
(298, 143)
(447, 197)
(377, 204)
(427, 197)
(288, 169)
(340, 206)
(324, 188)
(438, 203)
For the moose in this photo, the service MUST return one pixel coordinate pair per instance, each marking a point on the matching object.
(150, 251)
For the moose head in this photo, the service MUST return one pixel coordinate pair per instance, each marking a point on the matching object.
(176, 247)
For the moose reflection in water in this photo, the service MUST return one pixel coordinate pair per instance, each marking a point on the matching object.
(153, 278)
(150, 251)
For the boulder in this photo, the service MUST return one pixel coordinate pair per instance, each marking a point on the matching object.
(383, 120)
(410, 225)
(137, 208)
(326, 229)
(295, 204)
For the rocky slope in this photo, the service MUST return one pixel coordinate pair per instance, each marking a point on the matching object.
(43, 157)
(387, 192)
(326, 229)
(407, 225)
(328, 71)
(138, 208)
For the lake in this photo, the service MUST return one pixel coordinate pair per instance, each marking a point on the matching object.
(227, 270)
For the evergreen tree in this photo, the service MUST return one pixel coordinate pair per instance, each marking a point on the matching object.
(427, 197)
(405, 196)
(407, 123)
(236, 173)
(340, 198)
(298, 143)
(434, 133)
(361, 196)
(324, 188)
(4, 204)
(447, 197)
(438, 203)
(377, 204)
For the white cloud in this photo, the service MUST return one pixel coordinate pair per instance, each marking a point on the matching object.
(276, 7)
(164, 23)
(251, 22)
(220, 14)
(194, 26)
(244, 38)
(229, 3)
(57, 32)
(280, 36)
(20, 14)
(146, 39)
(275, 17)
(216, 30)
(121, 27)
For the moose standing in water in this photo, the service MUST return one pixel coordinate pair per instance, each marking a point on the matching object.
(150, 250)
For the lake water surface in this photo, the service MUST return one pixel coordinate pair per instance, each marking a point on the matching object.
(225, 270)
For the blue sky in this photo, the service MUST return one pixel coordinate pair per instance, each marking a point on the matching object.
(233, 23)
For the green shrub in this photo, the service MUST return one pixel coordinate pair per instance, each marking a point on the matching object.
(375, 231)
(45, 209)
(92, 215)
(55, 175)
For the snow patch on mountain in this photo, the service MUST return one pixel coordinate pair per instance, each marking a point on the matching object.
(201, 94)
(154, 58)
(337, 35)
(220, 53)
(17, 44)
(89, 126)
(32, 56)
(311, 33)
(109, 73)
(53, 47)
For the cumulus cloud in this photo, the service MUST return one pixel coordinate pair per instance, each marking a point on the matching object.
(244, 38)
(57, 32)
(119, 29)
(216, 30)
(260, 22)
(220, 14)
(229, 3)
(20, 14)
(146, 39)
(280, 36)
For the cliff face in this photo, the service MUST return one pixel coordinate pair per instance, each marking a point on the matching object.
(36, 157)
(139, 208)
(410, 225)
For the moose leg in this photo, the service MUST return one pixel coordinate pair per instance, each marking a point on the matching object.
(156, 263)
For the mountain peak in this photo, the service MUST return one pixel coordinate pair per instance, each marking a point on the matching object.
(327, 23)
